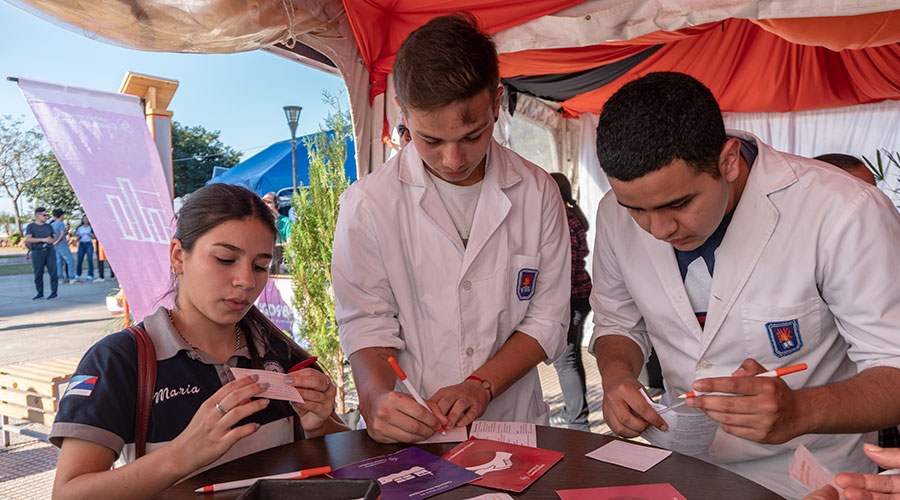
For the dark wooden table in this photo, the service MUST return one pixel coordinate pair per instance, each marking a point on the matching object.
(695, 479)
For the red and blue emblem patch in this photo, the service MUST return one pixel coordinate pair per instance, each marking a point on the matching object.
(81, 385)
(525, 283)
(784, 337)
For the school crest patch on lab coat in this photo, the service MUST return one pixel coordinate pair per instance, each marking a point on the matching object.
(784, 337)
(525, 283)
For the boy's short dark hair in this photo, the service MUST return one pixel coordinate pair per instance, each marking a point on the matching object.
(448, 59)
(39, 210)
(657, 119)
(57, 212)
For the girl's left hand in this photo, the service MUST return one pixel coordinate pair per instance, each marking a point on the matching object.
(318, 394)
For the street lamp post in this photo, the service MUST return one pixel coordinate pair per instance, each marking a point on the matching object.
(292, 113)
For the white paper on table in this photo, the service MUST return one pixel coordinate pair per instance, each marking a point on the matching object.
(454, 435)
(277, 388)
(492, 496)
(808, 471)
(633, 456)
(690, 430)
(521, 433)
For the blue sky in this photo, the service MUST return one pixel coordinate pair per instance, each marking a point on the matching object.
(240, 95)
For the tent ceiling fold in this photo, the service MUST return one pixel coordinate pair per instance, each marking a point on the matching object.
(198, 26)
(598, 21)
(747, 68)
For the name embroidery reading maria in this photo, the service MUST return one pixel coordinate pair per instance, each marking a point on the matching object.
(167, 393)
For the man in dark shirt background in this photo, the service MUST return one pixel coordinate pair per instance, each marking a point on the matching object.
(41, 236)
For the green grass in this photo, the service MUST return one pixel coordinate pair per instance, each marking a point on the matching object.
(16, 269)
(9, 270)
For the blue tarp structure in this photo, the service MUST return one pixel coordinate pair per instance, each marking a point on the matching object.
(270, 169)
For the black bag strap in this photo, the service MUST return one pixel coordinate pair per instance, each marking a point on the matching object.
(146, 358)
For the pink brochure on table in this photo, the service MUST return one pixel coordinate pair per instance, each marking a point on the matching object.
(660, 491)
(502, 465)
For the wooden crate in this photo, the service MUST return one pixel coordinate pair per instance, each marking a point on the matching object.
(31, 391)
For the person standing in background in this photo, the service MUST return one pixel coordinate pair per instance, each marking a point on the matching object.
(851, 165)
(40, 236)
(85, 247)
(283, 224)
(61, 247)
(101, 258)
(569, 366)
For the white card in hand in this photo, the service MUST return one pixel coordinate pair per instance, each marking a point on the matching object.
(808, 471)
(520, 433)
(277, 388)
(633, 456)
(454, 435)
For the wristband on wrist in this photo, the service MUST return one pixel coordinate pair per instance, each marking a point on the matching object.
(486, 384)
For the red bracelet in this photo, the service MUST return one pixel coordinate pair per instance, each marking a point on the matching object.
(484, 383)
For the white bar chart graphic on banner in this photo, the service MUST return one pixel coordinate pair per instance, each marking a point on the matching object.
(105, 149)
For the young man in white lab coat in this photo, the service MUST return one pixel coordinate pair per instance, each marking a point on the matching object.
(731, 259)
(453, 257)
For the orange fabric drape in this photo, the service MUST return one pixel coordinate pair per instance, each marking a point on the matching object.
(380, 26)
(751, 69)
(750, 65)
(574, 59)
(838, 33)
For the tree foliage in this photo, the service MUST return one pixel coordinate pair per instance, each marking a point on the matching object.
(51, 188)
(196, 151)
(312, 235)
(18, 164)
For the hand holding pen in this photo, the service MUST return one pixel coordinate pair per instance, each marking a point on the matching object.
(768, 412)
(778, 372)
(409, 387)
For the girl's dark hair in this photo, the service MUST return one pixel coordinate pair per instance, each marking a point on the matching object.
(205, 209)
(565, 191)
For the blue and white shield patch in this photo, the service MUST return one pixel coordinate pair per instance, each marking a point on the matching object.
(525, 284)
(784, 337)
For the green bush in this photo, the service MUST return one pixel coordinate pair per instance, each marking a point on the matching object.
(308, 250)
(15, 238)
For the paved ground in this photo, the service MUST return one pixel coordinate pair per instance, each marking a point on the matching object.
(67, 326)
(40, 330)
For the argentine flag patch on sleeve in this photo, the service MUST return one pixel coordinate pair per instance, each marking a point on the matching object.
(81, 385)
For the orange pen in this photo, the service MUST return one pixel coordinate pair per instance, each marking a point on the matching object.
(778, 372)
(243, 483)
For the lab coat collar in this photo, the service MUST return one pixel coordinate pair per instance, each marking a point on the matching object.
(493, 204)
(751, 228)
(755, 216)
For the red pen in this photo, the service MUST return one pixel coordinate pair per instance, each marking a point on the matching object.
(303, 364)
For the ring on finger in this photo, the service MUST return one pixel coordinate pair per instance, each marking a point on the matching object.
(223, 411)
(327, 385)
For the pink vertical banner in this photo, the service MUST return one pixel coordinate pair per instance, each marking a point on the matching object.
(103, 144)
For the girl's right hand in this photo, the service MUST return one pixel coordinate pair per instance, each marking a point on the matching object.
(211, 433)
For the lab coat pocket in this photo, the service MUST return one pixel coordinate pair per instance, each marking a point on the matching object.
(524, 278)
(775, 334)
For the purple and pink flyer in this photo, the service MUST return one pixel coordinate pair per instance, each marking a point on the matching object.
(409, 474)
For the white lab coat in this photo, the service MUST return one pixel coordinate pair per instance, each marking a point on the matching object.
(808, 243)
(403, 279)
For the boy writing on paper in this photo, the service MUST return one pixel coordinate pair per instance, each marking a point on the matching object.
(453, 257)
(731, 259)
